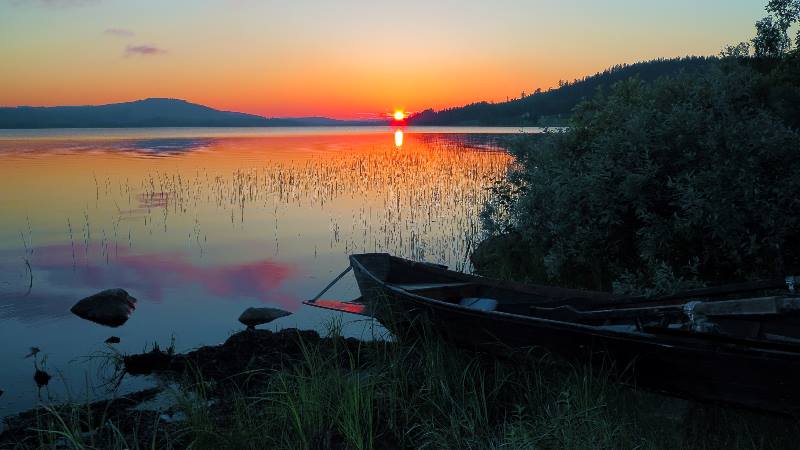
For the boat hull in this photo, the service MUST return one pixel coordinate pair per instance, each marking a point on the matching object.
(684, 366)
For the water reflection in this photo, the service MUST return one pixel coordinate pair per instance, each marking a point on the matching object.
(58, 269)
(217, 224)
(163, 147)
(147, 148)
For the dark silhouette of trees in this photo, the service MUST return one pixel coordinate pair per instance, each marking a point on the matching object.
(656, 186)
(772, 32)
(556, 104)
(771, 40)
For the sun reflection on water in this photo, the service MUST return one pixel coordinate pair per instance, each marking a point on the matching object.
(350, 192)
(398, 138)
(199, 229)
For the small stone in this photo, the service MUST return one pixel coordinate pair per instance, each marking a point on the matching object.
(259, 316)
(41, 378)
(111, 307)
(175, 417)
(113, 340)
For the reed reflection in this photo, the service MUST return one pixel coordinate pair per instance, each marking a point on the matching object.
(351, 193)
(148, 276)
(216, 225)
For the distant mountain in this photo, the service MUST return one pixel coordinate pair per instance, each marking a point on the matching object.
(151, 112)
(550, 107)
(554, 106)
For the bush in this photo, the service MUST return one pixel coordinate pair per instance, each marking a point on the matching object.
(684, 181)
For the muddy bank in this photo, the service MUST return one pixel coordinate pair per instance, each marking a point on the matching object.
(246, 351)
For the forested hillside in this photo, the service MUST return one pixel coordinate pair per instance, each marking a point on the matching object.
(552, 107)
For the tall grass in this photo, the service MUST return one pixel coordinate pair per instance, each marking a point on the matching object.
(421, 394)
(80, 426)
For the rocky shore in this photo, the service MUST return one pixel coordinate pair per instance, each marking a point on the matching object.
(295, 389)
(242, 364)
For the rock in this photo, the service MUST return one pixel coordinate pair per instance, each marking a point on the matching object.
(111, 307)
(2, 392)
(147, 363)
(113, 340)
(175, 417)
(41, 378)
(259, 316)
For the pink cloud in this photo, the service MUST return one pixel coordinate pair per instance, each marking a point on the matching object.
(143, 50)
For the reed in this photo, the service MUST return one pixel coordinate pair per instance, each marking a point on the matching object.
(72, 243)
(422, 202)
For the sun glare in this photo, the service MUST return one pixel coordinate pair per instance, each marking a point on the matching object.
(398, 138)
(399, 115)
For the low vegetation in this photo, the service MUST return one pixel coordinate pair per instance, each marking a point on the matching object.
(684, 181)
(343, 394)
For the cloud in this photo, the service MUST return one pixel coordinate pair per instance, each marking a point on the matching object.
(119, 32)
(143, 50)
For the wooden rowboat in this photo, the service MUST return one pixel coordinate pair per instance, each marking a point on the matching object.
(701, 344)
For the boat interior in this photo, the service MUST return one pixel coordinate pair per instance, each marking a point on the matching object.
(766, 317)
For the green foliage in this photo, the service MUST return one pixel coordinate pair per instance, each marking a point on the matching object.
(772, 32)
(740, 50)
(686, 180)
(771, 39)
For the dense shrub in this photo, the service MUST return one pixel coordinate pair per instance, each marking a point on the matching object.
(686, 180)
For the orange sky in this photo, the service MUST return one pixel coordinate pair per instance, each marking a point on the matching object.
(345, 59)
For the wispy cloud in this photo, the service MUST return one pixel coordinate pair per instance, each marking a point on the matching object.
(119, 32)
(143, 50)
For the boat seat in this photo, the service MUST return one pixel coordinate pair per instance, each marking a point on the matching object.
(479, 303)
(428, 286)
(749, 307)
(569, 314)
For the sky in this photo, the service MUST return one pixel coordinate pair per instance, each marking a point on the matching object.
(339, 58)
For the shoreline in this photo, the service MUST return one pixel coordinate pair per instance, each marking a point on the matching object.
(233, 361)
(296, 389)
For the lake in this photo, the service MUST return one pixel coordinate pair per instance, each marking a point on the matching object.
(199, 224)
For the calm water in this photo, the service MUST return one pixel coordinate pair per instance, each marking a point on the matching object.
(199, 224)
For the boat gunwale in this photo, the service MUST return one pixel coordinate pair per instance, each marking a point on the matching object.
(684, 342)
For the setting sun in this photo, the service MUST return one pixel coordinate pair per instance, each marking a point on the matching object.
(399, 115)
